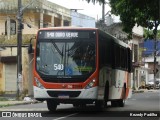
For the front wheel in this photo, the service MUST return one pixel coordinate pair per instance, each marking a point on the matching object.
(100, 105)
(121, 102)
(52, 106)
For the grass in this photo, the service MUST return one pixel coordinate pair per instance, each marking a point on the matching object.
(3, 99)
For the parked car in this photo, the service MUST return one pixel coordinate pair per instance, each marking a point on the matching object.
(150, 84)
(157, 82)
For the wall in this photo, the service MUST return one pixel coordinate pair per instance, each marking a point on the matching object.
(81, 20)
(2, 82)
(12, 51)
(138, 30)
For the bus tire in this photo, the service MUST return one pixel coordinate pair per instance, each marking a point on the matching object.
(52, 106)
(106, 94)
(76, 105)
(121, 102)
(99, 104)
(114, 103)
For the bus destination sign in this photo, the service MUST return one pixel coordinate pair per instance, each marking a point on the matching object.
(63, 34)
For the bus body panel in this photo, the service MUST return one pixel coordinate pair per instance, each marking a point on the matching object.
(117, 79)
(84, 93)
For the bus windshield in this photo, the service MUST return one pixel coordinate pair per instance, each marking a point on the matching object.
(65, 57)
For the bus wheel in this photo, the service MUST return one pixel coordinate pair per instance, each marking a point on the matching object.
(99, 104)
(76, 105)
(52, 106)
(121, 102)
(82, 105)
(114, 103)
(106, 94)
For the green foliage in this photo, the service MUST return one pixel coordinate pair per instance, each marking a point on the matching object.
(143, 12)
(96, 1)
(3, 99)
(148, 34)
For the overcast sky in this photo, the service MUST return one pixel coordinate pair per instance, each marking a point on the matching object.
(88, 8)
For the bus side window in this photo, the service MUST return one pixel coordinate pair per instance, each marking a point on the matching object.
(129, 60)
(101, 51)
(117, 60)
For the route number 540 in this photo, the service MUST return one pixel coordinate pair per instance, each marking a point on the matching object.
(58, 66)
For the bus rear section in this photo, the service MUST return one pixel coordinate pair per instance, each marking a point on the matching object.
(65, 67)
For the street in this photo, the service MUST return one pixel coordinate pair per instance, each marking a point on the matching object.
(139, 105)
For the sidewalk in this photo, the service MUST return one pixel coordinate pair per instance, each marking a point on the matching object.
(4, 102)
(145, 90)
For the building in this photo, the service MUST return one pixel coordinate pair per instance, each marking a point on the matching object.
(147, 50)
(39, 14)
(8, 71)
(81, 20)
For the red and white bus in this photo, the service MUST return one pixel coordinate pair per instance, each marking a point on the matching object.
(80, 66)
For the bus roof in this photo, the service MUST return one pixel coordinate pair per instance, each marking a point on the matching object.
(116, 40)
(69, 28)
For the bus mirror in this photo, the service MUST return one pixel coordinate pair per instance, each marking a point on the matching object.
(30, 49)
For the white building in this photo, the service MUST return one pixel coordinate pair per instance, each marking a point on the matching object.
(81, 20)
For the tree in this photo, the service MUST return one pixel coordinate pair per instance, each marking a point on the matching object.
(148, 34)
(103, 2)
(94, 1)
(143, 12)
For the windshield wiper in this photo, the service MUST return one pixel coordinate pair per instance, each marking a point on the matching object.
(61, 53)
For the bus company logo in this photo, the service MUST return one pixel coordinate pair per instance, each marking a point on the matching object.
(64, 86)
(6, 114)
(20, 114)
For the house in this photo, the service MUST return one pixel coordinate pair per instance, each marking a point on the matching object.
(137, 37)
(82, 20)
(147, 49)
(39, 14)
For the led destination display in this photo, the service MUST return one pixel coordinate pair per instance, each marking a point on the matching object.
(63, 34)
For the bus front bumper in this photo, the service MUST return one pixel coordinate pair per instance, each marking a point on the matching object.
(44, 94)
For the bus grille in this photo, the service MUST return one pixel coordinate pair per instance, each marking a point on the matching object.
(63, 80)
(67, 93)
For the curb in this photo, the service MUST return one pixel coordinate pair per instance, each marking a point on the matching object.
(138, 91)
(141, 91)
(12, 103)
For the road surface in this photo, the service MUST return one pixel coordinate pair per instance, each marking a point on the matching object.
(137, 107)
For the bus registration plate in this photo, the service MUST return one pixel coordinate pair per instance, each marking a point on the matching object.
(63, 96)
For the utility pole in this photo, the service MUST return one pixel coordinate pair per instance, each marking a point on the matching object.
(103, 11)
(155, 51)
(155, 60)
(19, 48)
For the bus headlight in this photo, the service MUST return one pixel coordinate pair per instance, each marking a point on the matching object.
(38, 83)
(91, 84)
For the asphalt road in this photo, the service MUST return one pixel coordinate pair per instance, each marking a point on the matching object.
(140, 105)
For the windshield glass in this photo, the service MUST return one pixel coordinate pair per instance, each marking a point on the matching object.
(61, 58)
